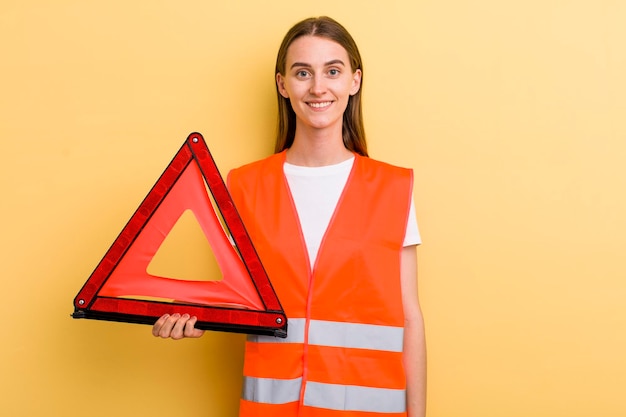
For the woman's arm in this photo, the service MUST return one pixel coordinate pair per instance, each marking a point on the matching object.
(414, 339)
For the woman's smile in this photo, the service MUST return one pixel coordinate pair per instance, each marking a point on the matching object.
(320, 105)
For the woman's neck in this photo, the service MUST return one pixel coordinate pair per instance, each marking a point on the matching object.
(316, 149)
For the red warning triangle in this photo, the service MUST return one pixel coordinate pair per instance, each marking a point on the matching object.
(122, 289)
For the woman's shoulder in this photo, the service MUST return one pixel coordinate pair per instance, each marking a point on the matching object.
(375, 164)
(260, 164)
(253, 171)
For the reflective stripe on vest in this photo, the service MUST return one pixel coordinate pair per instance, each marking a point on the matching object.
(329, 396)
(353, 398)
(271, 391)
(339, 334)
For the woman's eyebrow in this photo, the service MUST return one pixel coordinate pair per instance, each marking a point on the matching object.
(305, 65)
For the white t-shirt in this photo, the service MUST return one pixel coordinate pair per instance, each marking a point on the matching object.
(316, 191)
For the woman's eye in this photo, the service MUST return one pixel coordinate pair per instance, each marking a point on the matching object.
(302, 74)
(333, 72)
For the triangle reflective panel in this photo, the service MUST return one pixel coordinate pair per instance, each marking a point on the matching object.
(124, 286)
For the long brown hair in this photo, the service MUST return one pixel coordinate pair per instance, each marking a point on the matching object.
(353, 131)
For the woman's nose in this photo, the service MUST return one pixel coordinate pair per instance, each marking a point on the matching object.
(318, 85)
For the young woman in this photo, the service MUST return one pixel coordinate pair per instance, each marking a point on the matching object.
(336, 232)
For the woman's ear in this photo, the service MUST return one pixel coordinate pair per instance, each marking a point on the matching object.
(356, 82)
(280, 83)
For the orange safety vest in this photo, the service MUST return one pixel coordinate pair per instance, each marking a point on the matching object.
(343, 353)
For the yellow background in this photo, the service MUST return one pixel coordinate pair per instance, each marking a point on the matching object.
(513, 115)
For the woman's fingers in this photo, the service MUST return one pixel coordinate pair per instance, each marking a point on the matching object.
(158, 326)
(176, 326)
(190, 329)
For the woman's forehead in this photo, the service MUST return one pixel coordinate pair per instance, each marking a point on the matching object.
(315, 50)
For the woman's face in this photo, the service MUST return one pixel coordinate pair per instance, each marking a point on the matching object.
(318, 81)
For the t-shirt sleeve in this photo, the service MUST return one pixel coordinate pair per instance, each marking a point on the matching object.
(412, 236)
